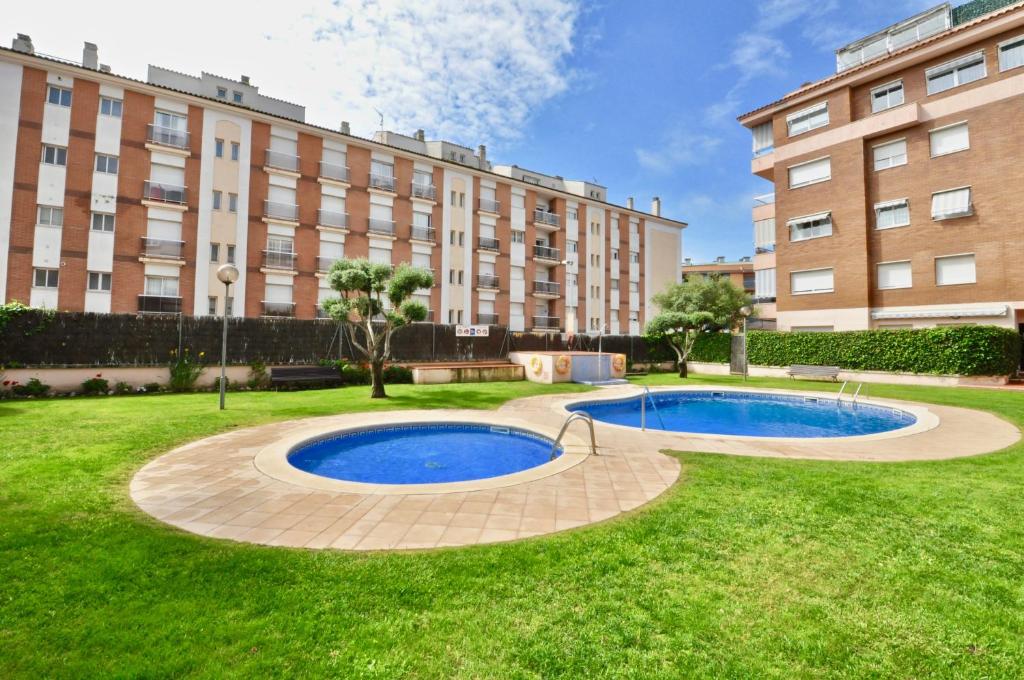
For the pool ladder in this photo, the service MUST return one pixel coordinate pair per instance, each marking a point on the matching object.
(644, 396)
(575, 415)
(856, 394)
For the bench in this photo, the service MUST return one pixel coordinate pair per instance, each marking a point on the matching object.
(304, 376)
(805, 371)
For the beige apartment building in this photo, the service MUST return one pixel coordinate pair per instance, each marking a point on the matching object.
(897, 180)
(740, 272)
(124, 196)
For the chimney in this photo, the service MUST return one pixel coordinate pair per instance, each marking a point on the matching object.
(90, 56)
(481, 151)
(104, 68)
(23, 43)
(656, 206)
(420, 135)
(345, 128)
(720, 259)
(245, 80)
(629, 202)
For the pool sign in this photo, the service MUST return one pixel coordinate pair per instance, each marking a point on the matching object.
(472, 331)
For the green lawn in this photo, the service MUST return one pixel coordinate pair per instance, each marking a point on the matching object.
(746, 568)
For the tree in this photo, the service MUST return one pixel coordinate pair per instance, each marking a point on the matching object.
(365, 287)
(694, 307)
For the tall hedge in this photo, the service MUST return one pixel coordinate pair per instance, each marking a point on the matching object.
(711, 348)
(953, 350)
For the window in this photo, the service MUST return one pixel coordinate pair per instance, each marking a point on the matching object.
(572, 214)
(811, 281)
(236, 96)
(949, 139)
(460, 277)
(107, 164)
(807, 119)
(634, 286)
(518, 236)
(451, 276)
(222, 93)
(811, 172)
(1011, 53)
(634, 257)
(214, 252)
(955, 73)
(111, 107)
(954, 270)
(229, 303)
(952, 203)
(61, 96)
(894, 275)
(55, 155)
(99, 281)
(235, 147)
(615, 284)
(764, 140)
(50, 216)
(886, 96)
(615, 254)
(280, 244)
(454, 196)
(162, 286)
(211, 306)
(102, 222)
(232, 202)
(572, 246)
(764, 284)
(462, 238)
(45, 278)
(892, 214)
(231, 254)
(216, 200)
(462, 200)
(890, 154)
(811, 226)
(218, 148)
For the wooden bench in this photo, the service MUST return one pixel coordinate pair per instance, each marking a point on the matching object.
(304, 376)
(806, 371)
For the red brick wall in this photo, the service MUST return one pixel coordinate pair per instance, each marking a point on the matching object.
(255, 281)
(128, 280)
(26, 178)
(307, 239)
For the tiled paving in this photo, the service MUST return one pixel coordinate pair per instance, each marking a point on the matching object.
(212, 486)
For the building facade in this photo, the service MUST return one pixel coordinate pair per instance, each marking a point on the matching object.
(897, 179)
(741, 272)
(124, 196)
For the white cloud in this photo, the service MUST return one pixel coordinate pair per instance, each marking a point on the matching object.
(681, 146)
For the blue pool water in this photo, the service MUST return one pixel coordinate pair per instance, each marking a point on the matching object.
(427, 453)
(749, 414)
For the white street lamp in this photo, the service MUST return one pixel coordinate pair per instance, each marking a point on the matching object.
(745, 311)
(226, 274)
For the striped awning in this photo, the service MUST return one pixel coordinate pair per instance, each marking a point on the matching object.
(952, 313)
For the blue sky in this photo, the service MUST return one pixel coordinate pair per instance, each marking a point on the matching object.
(641, 96)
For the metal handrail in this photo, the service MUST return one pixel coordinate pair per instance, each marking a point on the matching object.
(857, 393)
(576, 415)
(644, 396)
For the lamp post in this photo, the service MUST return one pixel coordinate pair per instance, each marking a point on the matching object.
(745, 311)
(226, 274)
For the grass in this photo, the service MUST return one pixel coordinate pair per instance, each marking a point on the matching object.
(746, 568)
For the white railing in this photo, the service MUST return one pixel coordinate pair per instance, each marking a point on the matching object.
(282, 161)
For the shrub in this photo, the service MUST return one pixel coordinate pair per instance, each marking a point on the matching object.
(122, 388)
(395, 375)
(185, 370)
(34, 388)
(151, 388)
(352, 374)
(96, 385)
(259, 379)
(953, 350)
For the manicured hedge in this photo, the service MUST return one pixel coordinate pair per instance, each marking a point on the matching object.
(710, 348)
(954, 350)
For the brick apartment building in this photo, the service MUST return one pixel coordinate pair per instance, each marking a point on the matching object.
(897, 180)
(740, 272)
(124, 196)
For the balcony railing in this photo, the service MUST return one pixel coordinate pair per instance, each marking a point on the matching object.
(329, 218)
(427, 191)
(486, 281)
(282, 160)
(339, 173)
(489, 205)
(488, 243)
(545, 217)
(546, 287)
(165, 193)
(547, 322)
(546, 253)
(162, 248)
(379, 226)
(276, 259)
(423, 234)
(486, 319)
(382, 182)
(159, 304)
(280, 211)
(764, 199)
(324, 264)
(278, 308)
(763, 299)
(766, 248)
(164, 136)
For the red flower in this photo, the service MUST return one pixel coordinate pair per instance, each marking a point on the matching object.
(6, 383)
(99, 375)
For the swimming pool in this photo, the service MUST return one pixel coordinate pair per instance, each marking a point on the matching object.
(750, 414)
(423, 453)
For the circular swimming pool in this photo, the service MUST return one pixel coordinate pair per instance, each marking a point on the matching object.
(423, 453)
(750, 414)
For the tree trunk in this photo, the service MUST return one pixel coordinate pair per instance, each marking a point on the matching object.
(377, 378)
(682, 368)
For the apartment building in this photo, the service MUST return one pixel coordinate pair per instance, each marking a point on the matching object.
(124, 196)
(897, 179)
(741, 272)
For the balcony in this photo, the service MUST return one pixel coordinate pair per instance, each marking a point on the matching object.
(765, 248)
(764, 199)
(324, 264)
(162, 249)
(159, 304)
(547, 253)
(276, 259)
(488, 243)
(164, 136)
(425, 191)
(164, 193)
(278, 308)
(329, 218)
(547, 323)
(281, 211)
(428, 234)
(333, 171)
(546, 288)
(382, 182)
(487, 281)
(489, 205)
(546, 218)
(378, 226)
(486, 319)
(280, 160)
